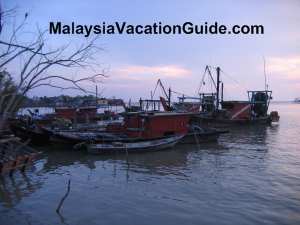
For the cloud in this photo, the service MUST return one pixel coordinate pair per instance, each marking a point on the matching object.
(138, 71)
(287, 67)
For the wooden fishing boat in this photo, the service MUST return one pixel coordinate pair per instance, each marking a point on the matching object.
(138, 126)
(140, 146)
(74, 137)
(195, 135)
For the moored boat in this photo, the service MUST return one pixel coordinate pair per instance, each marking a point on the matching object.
(75, 137)
(215, 110)
(140, 146)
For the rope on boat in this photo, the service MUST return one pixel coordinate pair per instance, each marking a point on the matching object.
(207, 70)
(239, 84)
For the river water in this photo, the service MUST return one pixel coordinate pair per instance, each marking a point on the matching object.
(251, 176)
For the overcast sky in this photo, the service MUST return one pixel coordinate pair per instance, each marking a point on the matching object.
(134, 63)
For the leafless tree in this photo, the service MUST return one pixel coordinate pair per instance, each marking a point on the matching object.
(40, 64)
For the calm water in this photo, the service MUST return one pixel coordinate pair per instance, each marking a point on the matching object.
(252, 176)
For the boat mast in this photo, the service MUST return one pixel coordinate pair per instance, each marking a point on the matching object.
(222, 91)
(218, 87)
(169, 97)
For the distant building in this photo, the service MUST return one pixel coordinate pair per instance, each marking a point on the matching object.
(111, 102)
(116, 102)
(102, 101)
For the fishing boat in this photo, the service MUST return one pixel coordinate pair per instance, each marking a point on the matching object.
(215, 110)
(297, 100)
(140, 146)
(72, 137)
(196, 134)
(135, 126)
(154, 123)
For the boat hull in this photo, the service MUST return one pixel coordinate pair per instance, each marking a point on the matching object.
(35, 135)
(140, 146)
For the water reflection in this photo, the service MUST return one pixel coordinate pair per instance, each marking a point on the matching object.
(174, 162)
(14, 188)
(161, 162)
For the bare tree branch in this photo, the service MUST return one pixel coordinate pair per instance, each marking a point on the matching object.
(39, 62)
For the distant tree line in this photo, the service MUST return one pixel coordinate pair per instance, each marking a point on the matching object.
(61, 100)
(72, 101)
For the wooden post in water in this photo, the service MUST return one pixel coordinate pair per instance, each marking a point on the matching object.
(64, 197)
